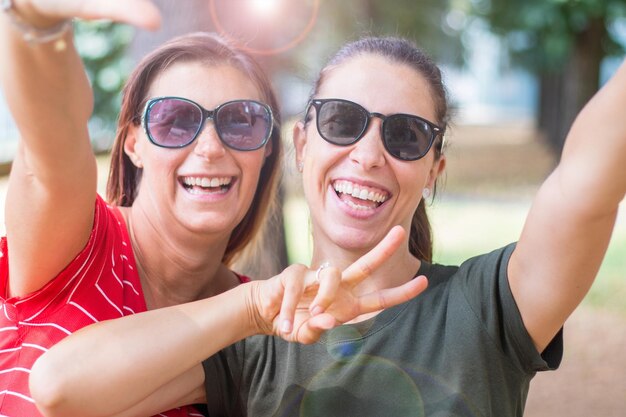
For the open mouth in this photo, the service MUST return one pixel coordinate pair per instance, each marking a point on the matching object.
(206, 185)
(358, 196)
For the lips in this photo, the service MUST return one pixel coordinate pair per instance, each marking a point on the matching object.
(358, 196)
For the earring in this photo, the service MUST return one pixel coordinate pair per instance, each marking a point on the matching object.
(426, 193)
(300, 166)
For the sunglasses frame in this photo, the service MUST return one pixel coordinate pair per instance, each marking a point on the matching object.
(317, 103)
(206, 115)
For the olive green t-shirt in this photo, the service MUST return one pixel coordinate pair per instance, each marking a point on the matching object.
(459, 349)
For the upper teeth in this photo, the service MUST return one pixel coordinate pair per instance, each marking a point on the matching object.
(359, 191)
(206, 182)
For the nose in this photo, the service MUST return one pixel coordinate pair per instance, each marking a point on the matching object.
(208, 144)
(369, 151)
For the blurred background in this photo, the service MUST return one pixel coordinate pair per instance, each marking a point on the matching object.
(517, 72)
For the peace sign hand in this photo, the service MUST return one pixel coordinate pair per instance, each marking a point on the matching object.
(298, 307)
(45, 13)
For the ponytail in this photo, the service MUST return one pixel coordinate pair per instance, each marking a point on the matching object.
(420, 236)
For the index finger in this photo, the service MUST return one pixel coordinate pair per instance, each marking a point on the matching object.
(366, 264)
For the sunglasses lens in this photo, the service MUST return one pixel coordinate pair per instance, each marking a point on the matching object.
(244, 125)
(173, 122)
(407, 137)
(341, 122)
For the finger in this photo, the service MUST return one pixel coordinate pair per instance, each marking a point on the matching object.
(312, 329)
(268, 299)
(141, 13)
(329, 281)
(366, 264)
(381, 299)
(293, 282)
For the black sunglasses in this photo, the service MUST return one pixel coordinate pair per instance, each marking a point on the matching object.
(343, 122)
(175, 122)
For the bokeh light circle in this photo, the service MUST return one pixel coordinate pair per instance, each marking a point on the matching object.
(229, 27)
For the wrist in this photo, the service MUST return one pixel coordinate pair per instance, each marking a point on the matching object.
(24, 10)
(255, 320)
(34, 27)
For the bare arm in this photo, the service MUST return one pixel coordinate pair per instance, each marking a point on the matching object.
(570, 222)
(52, 185)
(151, 362)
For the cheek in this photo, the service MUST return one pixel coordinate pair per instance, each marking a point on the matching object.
(411, 182)
(251, 166)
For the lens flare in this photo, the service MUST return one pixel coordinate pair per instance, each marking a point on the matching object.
(264, 8)
(264, 27)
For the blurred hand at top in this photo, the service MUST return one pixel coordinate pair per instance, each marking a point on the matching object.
(42, 13)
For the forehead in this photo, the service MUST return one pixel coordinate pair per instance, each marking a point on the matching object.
(207, 84)
(380, 85)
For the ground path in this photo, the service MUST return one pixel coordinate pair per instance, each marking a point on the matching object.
(592, 379)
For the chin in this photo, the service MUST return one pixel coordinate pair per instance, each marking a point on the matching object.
(212, 225)
(354, 239)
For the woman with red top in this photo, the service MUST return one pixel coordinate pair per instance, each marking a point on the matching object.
(187, 191)
(183, 203)
(193, 172)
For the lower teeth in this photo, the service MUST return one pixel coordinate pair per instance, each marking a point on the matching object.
(357, 206)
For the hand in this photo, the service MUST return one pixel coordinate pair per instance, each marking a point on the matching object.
(140, 13)
(295, 306)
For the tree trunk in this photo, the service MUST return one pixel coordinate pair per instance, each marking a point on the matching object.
(563, 94)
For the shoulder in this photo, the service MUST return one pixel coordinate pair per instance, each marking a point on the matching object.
(486, 265)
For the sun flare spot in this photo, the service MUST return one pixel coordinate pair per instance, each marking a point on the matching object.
(264, 8)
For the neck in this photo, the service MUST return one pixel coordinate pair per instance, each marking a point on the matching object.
(176, 266)
(399, 269)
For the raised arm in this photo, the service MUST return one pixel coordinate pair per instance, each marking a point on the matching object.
(150, 362)
(571, 219)
(52, 185)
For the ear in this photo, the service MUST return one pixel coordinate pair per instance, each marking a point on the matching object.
(131, 148)
(299, 142)
(435, 171)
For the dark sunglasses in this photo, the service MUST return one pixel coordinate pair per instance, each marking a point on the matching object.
(343, 122)
(175, 122)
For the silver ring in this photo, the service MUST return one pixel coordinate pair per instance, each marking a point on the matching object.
(322, 266)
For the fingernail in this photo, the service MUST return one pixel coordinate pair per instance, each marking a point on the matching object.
(286, 326)
(316, 310)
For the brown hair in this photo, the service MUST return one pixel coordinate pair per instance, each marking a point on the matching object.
(208, 49)
(402, 51)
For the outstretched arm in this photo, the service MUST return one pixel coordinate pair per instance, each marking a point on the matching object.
(52, 186)
(150, 362)
(571, 219)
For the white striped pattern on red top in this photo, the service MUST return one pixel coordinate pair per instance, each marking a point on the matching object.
(100, 283)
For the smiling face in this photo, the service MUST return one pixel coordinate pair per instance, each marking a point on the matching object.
(204, 187)
(357, 193)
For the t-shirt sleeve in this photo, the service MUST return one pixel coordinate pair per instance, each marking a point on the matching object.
(485, 285)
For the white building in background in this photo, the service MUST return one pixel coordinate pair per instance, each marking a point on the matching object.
(488, 90)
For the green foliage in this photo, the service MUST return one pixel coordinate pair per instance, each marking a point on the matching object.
(101, 45)
(433, 24)
(542, 33)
